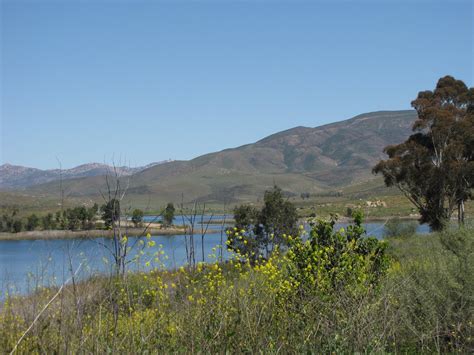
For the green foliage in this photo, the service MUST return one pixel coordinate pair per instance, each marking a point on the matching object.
(246, 217)
(434, 167)
(9, 217)
(59, 220)
(137, 217)
(277, 218)
(349, 212)
(395, 227)
(111, 212)
(168, 214)
(17, 226)
(259, 233)
(432, 283)
(334, 260)
(32, 222)
(74, 218)
(78, 218)
(241, 238)
(48, 222)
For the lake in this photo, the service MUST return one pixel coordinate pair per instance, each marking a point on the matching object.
(26, 264)
(178, 219)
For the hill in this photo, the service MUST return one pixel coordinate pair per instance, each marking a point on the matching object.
(301, 159)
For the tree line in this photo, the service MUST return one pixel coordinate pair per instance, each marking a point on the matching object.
(76, 218)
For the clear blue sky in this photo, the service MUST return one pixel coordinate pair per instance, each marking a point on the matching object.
(144, 81)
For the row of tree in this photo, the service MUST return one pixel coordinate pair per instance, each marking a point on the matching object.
(76, 218)
(111, 213)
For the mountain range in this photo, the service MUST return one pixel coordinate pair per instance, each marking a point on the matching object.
(15, 176)
(301, 159)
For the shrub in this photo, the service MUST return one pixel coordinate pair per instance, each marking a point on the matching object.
(17, 226)
(395, 227)
(331, 260)
(111, 212)
(168, 215)
(32, 222)
(48, 222)
(137, 217)
(349, 212)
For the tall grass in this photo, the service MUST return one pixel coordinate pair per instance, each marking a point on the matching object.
(424, 302)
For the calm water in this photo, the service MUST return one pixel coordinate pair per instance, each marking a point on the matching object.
(178, 219)
(24, 264)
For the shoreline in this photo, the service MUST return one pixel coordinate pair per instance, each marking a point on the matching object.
(345, 219)
(154, 231)
(93, 233)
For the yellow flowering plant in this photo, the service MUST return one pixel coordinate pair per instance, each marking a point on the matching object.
(333, 259)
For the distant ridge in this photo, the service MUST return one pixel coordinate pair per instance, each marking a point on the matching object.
(15, 176)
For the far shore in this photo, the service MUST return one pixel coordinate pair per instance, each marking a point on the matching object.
(94, 233)
(153, 228)
(345, 219)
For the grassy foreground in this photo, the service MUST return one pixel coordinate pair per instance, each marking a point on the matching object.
(423, 301)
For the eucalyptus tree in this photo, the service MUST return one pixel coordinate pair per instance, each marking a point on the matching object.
(434, 167)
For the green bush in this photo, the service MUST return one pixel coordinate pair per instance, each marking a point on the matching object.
(32, 222)
(17, 226)
(395, 227)
(332, 260)
(137, 217)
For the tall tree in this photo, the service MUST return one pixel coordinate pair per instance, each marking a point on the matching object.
(259, 232)
(434, 167)
(9, 217)
(277, 218)
(48, 222)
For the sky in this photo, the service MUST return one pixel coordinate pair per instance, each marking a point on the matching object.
(136, 82)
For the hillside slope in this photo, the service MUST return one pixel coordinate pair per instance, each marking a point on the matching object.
(300, 159)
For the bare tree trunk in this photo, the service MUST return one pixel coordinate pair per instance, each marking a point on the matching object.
(185, 226)
(189, 220)
(459, 214)
(204, 231)
(222, 234)
(114, 196)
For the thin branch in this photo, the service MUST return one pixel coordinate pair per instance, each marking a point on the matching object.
(44, 309)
